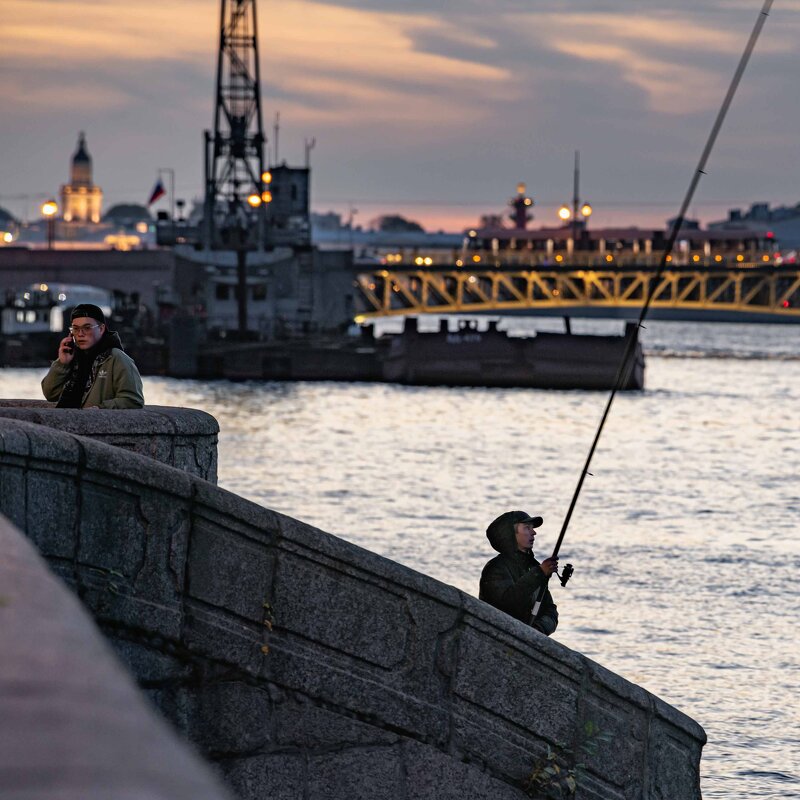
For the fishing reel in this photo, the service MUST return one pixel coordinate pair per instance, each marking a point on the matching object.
(565, 574)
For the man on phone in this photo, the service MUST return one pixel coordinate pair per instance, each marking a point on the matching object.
(92, 370)
(511, 580)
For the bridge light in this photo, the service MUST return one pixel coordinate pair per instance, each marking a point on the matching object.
(43, 287)
(564, 213)
(770, 235)
(785, 304)
(695, 258)
(559, 258)
(419, 261)
(718, 258)
(556, 293)
(765, 257)
(740, 258)
(476, 259)
(528, 201)
(428, 261)
(669, 257)
(472, 279)
(586, 210)
(266, 197)
(266, 177)
(610, 258)
(384, 273)
(459, 263)
(254, 200)
(472, 234)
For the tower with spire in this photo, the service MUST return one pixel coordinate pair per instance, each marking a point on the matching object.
(81, 200)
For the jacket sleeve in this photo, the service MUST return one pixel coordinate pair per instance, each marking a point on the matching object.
(547, 621)
(126, 384)
(498, 588)
(54, 381)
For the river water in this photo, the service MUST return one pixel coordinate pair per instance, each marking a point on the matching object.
(684, 540)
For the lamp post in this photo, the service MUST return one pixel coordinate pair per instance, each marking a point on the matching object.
(49, 211)
(565, 213)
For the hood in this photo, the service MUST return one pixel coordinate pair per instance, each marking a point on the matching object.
(501, 533)
(109, 340)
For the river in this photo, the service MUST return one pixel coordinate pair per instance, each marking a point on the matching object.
(685, 538)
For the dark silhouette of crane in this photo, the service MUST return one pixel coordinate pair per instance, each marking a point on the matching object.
(236, 182)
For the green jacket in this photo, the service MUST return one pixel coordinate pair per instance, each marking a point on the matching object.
(116, 384)
(511, 580)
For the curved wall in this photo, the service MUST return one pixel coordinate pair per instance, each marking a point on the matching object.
(181, 437)
(306, 667)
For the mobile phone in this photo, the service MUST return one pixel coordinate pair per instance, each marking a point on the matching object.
(70, 345)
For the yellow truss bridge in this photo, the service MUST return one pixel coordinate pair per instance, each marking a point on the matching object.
(752, 293)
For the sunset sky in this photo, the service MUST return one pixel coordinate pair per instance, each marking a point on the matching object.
(431, 109)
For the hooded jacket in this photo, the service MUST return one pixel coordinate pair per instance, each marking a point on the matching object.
(112, 379)
(511, 580)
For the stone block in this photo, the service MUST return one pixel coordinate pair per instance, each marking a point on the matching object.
(52, 512)
(672, 764)
(229, 572)
(360, 773)
(276, 776)
(112, 530)
(438, 776)
(231, 718)
(335, 609)
(512, 682)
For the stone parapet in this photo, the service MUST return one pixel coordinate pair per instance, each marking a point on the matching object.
(306, 667)
(184, 438)
(74, 725)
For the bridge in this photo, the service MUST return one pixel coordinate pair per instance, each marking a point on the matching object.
(746, 293)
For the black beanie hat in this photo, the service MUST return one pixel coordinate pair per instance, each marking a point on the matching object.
(88, 310)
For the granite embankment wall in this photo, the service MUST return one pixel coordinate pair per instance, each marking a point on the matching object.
(305, 667)
(185, 438)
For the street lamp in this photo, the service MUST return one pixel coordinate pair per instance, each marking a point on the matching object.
(49, 211)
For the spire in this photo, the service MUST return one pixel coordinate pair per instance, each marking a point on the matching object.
(81, 172)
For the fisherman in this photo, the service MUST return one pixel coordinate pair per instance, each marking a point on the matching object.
(512, 580)
(92, 370)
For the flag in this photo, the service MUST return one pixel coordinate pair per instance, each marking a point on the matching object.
(158, 191)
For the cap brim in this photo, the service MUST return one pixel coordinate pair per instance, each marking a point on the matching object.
(534, 521)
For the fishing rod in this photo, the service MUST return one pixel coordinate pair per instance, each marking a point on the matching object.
(626, 365)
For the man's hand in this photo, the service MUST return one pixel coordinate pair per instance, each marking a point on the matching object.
(65, 350)
(549, 566)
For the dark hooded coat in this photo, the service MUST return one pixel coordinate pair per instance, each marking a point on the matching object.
(511, 580)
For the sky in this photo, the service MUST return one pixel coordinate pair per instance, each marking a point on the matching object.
(435, 110)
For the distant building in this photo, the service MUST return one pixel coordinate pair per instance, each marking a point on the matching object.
(80, 198)
(783, 222)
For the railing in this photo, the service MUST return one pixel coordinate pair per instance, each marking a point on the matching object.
(772, 291)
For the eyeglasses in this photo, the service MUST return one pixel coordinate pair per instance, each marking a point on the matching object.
(73, 329)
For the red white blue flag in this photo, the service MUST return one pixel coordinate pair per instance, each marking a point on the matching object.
(158, 191)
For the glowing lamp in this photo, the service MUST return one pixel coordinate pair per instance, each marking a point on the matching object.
(586, 210)
(254, 200)
(266, 177)
(50, 208)
(564, 213)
